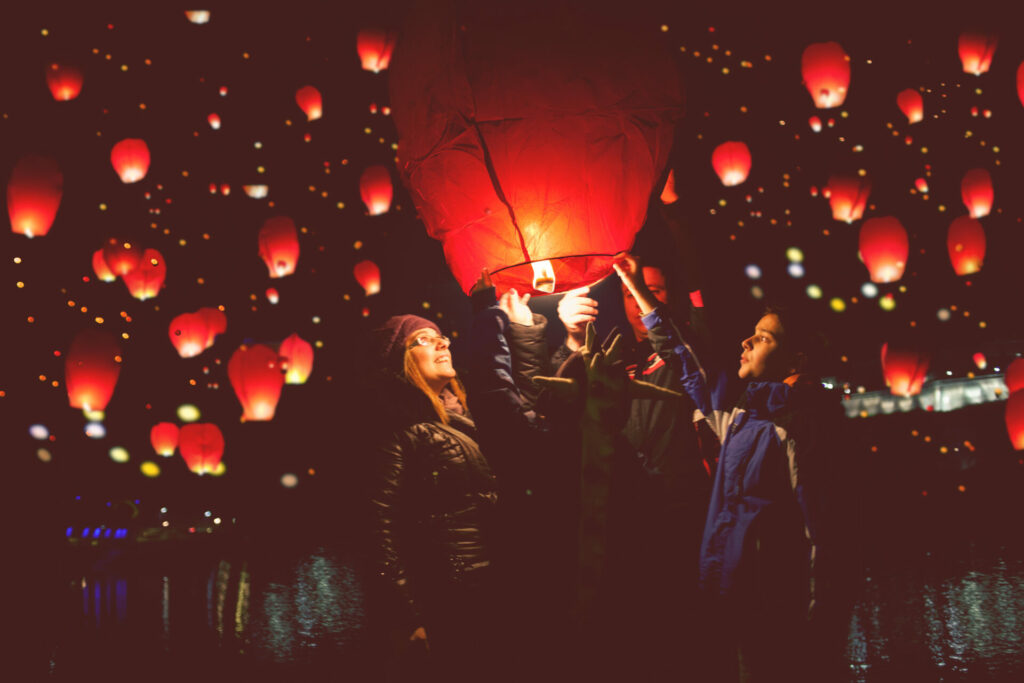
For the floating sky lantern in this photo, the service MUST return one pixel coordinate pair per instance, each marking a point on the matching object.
(100, 267)
(848, 196)
(130, 159)
(966, 244)
(198, 16)
(977, 192)
(256, 191)
(884, 248)
(904, 369)
(367, 274)
(310, 102)
(188, 333)
(815, 123)
(279, 245)
(202, 446)
(214, 121)
(976, 51)
(64, 81)
(375, 46)
(1015, 419)
(922, 185)
(731, 161)
(911, 104)
(34, 192)
(826, 73)
(507, 169)
(257, 375)
(121, 256)
(668, 193)
(164, 438)
(147, 279)
(91, 368)
(1020, 83)
(272, 295)
(376, 190)
(979, 360)
(216, 323)
(297, 355)
(1015, 376)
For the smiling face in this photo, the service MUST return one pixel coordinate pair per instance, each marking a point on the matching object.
(763, 357)
(432, 359)
(655, 281)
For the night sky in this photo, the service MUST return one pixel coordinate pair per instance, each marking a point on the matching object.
(153, 74)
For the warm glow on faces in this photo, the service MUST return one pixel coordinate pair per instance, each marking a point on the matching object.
(433, 360)
(655, 280)
(761, 358)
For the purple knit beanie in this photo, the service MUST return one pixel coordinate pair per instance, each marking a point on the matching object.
(389, 339)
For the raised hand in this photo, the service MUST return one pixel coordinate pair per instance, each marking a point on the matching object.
(515, 307)
(628, 268)
(575, 310)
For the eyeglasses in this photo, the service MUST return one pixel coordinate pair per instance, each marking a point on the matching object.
(428, 339)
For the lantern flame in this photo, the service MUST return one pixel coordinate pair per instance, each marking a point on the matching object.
(543, 276)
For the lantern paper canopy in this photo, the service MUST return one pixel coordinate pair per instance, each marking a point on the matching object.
(202, 446)
(848, 196)
(977, 192)
(214, 121)
(65, 82)
(121, 257)
(375, 46)
(904, 369)
(164, 438)
(911, 104)
(216, 323)
(376, 190)
(91, 368)
(310, 102)
(147, 279)
(884, 248)
(100, 267)
(193, 333)
(367, 274)
(256, 376)
(530, 137)
(731, 161)
(279, 245)
(966, 243)
(1015, 419)
(826, 72)
(1015, 376)
(1020, 83)
(297, 355)
(130, 159)
(668, 193)
(34, 192)
(976, 50)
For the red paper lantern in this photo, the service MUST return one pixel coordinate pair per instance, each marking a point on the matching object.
(309, 101)
(189, 333)
(375, 46)
(1015, 419)
(922, 185)
(33, 195)
(216, 323)
(272, 295)
(976, 50)
(815, 124)
(884, 248)
(531, 139)
(100, 267)
(1020, 83)
(164, 438)
(977, 192)
(214, 121)
(980, 360)
(966, 244)
(1015, 376)
(121, 257)
(668, 193)
(376, 190)
(130, 159)
(202, 446)
(279, 245)
(65, 82)
(146, 280)
(367, 274)
(91, 369)
(297, 355)
(826, 72)
(848, 196)
(911, 104)
(256, 375)
(905, 370)
(731, 161)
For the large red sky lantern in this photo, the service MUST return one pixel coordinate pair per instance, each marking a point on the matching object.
(904, 369)
(64, 81)
(310, 102)
(731, 161)
(911, 104)
(147, 279)
(976, 51)
(34, 192)
(966, 244)
(130, 159)
(884, 248)
(202, 446)
(121, 256)
(256, 374)
(848, 196)
(977, 192)
(375, 46)
(163, 436)
(100, 267)
(367, 274)
(279, 245)
(91, 368)
(1015, 375)
(297, 355)
(826, 72)
(376, 190)
(531, 142)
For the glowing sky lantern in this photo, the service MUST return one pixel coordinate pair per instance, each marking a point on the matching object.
(731, 161)
(826, 73)
(367, 274)
(310, 102)
(164, 438)
(966, 244)
(91, 368)
(214, 121)
(130, 159)
(121, 256)
(506, 168)
(64, 81)
(100, 267)
(34, 192)
(256, 191)
(911, 104)
(976, 51)
(977, 192)
(216, 323)
(1015, 376)
(815, 123)
(279, 245)
(668, 193)
(256, 374)
(922, 185)
(376, 190)
(1015, 419)
(375, 46)
(848, 196)
(979, 360)
(904, 369)
(1020, 83)
(272, 295)
(884, 248)
(147, 279)
(297, 355)
(198, 16)
(188, 333)
(202, 446)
